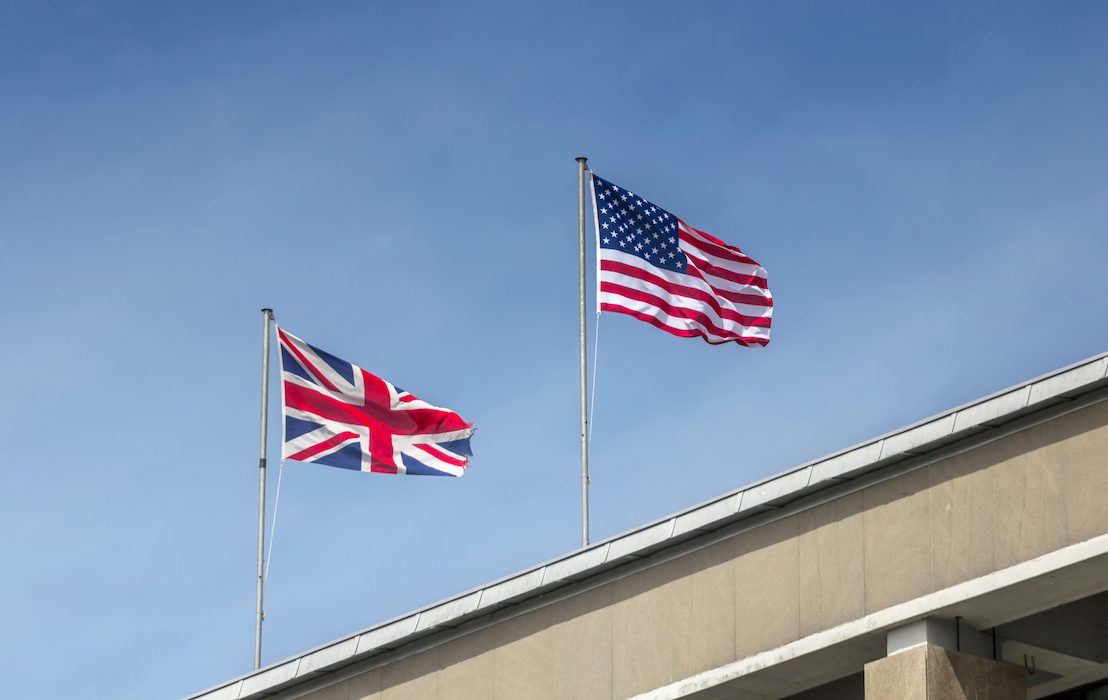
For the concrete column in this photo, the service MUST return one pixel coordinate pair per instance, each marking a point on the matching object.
(930, 672)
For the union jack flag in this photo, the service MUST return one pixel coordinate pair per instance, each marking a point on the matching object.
(338, 414)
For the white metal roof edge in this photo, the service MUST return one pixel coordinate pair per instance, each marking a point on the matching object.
(836, 467)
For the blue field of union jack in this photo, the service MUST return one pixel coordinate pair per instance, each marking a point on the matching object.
(338, 414)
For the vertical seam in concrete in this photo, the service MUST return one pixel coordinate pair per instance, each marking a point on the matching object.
(993, 496)
(734, 605)
(439, 668)
(611, 643)
(675, 668)
(796, 542)
(931, 526)
(492, 652)
(993, 500)
(862, 515)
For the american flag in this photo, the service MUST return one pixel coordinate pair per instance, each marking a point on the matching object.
(657, 268)
(338, 414)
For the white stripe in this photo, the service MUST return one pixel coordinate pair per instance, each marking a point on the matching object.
(334, 425)
(416, 402)
(430, 460)
(678, 278)
(448, 453)
(329, 428)
(691, 248)
(321, 365)
(406, 445)
(635, 261)
(751, 310)
(685, 303)
(306, 415)
(351, 400)
(683, 323)
(445, 437)
(317, 436)
(722, 285)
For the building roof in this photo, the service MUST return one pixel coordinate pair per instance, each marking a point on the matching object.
(978, 420)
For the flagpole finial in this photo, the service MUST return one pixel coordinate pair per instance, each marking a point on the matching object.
(582, 159)
(267, 310)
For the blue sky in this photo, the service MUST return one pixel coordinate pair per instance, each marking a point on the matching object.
(926, 184)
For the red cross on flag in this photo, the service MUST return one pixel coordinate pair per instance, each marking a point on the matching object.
(338, 414)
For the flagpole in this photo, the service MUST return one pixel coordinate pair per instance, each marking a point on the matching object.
(581, 168)
(259, 614)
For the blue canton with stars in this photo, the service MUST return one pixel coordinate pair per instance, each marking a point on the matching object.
(630, 224)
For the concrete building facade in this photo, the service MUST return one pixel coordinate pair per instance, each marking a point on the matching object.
(965, 556)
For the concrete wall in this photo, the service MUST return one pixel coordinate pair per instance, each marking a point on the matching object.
(989, 508)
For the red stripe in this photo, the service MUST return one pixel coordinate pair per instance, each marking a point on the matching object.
(377, 390)
(429, 420)
(653, 300)
(369, 415)
(680, 289)
(711, 245)
(308, 452)
(737, 297)
(439, 454)
(687, 314)
(304, 361)
(419, 421)
(724, 273)
(745, 341)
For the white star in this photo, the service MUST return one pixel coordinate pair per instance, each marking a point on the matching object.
(672, 239)
(606, 240)
(605, 225)
(622, 244)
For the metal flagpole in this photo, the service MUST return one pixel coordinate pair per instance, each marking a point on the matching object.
(259, 614)
(581, 167)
